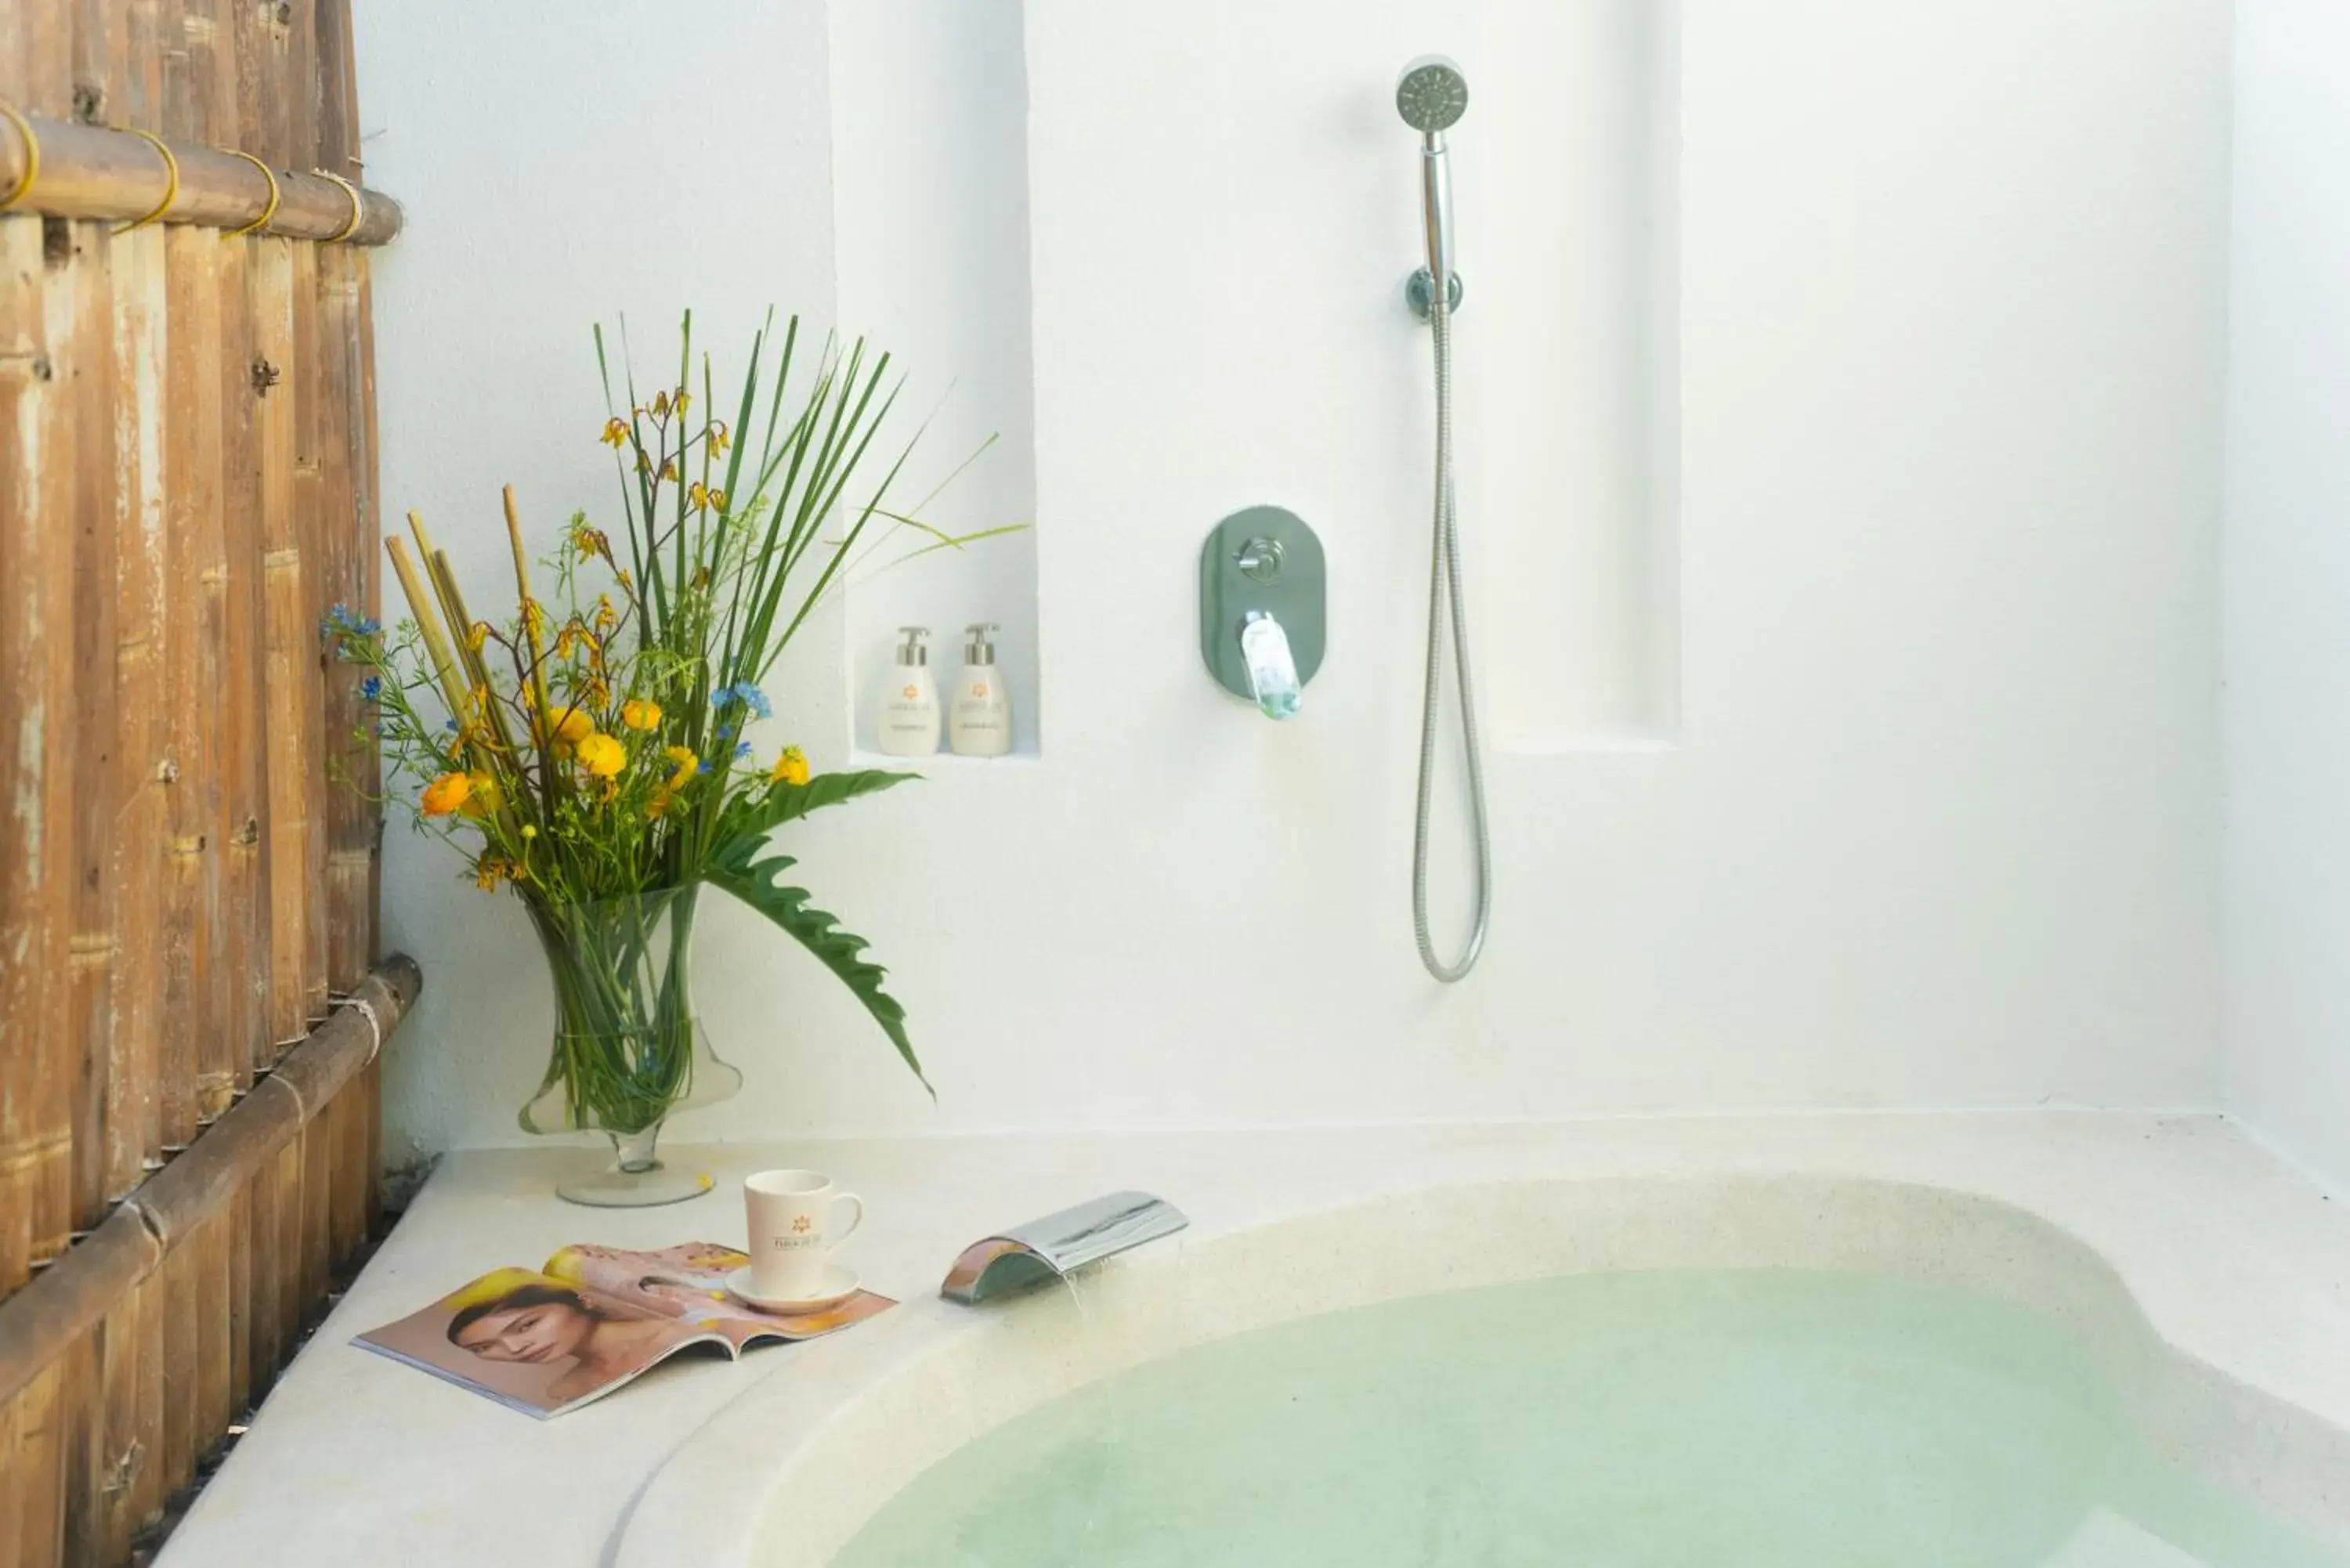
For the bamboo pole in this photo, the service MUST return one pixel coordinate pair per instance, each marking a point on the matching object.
(98, 715)
(191, 1087)
(134, 1135)
(349, 816)
(243, 696)
(313, 436)
(91, 171)
(23, 370)
(59, 481)
(288, 638)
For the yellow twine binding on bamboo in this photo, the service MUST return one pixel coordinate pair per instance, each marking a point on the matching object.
(171, 178)
(15, 117)
(358, 206)
(268, 212)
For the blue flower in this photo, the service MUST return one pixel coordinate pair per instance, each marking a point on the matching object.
(745, 693)
(371, 689)
(343, 621)
(742, 751)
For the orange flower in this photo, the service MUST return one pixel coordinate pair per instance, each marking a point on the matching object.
(640, 714)
(446, 794)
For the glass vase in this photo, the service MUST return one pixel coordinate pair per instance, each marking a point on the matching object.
(629, 1052)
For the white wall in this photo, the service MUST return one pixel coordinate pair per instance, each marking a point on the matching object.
(2288, 586)
(1940, 827)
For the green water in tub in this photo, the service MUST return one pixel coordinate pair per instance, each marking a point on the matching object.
(1670, 1419)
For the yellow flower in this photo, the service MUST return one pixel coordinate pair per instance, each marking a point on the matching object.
(687, 764)
(658, 804)
(669, 468)
(696, 497)
(486, 874)
(616, 430)
(685, 398)
(446, 794)
(570, 727)
(718, 501)
(719, 440)
(791, 768)
(660, 405)
(639, 714)
(476, 634)
(602, 755)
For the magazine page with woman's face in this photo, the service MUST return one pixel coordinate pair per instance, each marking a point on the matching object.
(593, 1317)
(531, 1339)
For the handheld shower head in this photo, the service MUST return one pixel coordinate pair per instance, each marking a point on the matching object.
(1431, 94)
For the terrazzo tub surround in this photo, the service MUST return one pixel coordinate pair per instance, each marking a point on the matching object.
(1079, 1338)
(2230, 1255)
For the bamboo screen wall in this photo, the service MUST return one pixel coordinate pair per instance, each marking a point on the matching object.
(188, 1113)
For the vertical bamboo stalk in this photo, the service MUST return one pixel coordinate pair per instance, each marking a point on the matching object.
(317, 1213)
(59, 1068)
(208, 1252)
(262, 1318)
(135, 850)
(82, 1415)
(25, 977)
(97, 717)
(288, 637)
(313, 407)
(349, 814)
(193, 1086)
(118, 1453)
(182, 1341)
(12, 1485)
(40, 1457)
(147, 1488)
(291, 1274)
(301, 81)
(243, 695)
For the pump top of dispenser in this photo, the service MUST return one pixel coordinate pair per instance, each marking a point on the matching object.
(979, 647)
(913, 650)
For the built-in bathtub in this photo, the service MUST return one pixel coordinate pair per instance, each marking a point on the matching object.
(761, 1484)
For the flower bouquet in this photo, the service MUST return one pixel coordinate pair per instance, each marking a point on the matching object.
(590, 753)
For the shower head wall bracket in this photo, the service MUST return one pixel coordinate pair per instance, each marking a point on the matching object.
(1262, 562)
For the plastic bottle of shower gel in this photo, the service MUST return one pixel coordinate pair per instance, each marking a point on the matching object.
(909, 719)
(979, 720)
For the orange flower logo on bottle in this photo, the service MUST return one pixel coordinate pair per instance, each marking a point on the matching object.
(910, 693)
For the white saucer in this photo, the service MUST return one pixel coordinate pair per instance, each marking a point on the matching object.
(837, 1286)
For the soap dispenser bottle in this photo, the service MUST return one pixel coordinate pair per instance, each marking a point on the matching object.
(909, 719)
(979, 720)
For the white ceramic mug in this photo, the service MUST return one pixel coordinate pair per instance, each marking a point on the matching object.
(792, 1229)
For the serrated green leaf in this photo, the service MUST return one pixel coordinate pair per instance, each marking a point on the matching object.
(739, 867)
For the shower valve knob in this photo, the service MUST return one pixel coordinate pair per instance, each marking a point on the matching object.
(1259, 560)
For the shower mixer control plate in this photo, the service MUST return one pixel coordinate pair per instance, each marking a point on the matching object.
(1261, 564)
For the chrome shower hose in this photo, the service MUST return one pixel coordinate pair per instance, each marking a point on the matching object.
(1444, 594)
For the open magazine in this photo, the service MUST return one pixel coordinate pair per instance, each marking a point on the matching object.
(593, 1319)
